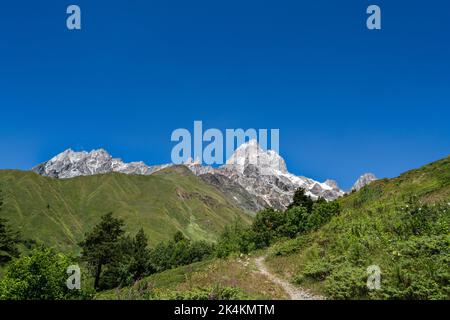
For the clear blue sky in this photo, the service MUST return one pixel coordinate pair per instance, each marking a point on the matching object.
(346, 100)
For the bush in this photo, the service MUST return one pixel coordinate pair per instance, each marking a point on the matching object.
(41, 276)
(317, 269)
(236, 238)
(298, 279)
(411, 244)
(180, 251)
(419, 269)
(416, 218)
(284, 248)
(271, 225)
(321, 213)
(347, 282)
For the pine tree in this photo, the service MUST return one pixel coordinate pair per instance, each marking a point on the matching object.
(301, 199)
(102, 245)
(141, 256)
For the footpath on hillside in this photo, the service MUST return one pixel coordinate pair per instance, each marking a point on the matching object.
(294, 292)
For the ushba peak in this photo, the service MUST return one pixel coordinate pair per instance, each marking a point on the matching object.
(264, 174)
(251, 153)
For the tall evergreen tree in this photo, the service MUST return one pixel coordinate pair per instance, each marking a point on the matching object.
(141, 256)
(102, 245)
(301, 199)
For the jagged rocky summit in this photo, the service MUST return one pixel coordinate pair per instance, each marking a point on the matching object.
(252, 177)
(363, 181)
(70, 164)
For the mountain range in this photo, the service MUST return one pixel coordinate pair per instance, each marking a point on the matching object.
(58, 212)
(252, 177)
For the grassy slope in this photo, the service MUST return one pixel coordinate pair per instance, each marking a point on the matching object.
(232, 272)
(333, 260)
(366, 211)
(59, 212)
(431, 183)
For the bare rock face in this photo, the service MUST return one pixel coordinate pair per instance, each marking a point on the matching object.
(252, 177)
(197, 168)
(70, 164)
(363, 180)
(250, 153)
(234, 191)
(264, 175)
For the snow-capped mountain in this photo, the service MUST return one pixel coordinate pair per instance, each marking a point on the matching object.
(250, 173)
(264, 175)
(70, 164)
(268, 162)
(364, 180)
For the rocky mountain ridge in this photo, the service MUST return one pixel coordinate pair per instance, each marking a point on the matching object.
(253, 177)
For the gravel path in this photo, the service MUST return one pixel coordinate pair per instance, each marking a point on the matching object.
(294, 292)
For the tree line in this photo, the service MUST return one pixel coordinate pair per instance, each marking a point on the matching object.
(302, 215)
(117, 260)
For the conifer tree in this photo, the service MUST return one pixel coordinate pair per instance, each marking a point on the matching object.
(102, 246)
(301, 199)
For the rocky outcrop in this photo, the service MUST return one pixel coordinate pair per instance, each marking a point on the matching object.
(70, 164)
(363, 180)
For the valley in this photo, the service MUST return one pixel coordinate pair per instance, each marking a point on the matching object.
(58, 212)
(310, 249)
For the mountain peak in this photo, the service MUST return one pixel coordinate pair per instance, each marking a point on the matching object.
(363, 180)
(69, 164)
(264, 175)
(251, 154)
(331, 183)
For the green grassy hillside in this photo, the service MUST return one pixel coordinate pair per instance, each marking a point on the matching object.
(379, 225)
(205, 279)
(431, 183)
(59, 212)
(401, 225)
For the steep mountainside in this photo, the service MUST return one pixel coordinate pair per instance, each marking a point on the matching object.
(431, 183)
(60, 211)
(400, 225)
(234, 191)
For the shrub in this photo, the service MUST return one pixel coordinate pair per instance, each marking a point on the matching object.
(42, 276)
(317, 269)
(321, 213)
(347, 282)
(171, 254)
